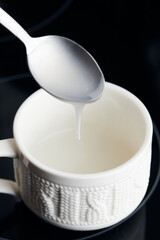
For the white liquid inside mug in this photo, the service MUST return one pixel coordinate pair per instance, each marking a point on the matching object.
(95, 152)
(112, 131)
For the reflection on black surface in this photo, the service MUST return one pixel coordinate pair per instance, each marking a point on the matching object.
(21, 223)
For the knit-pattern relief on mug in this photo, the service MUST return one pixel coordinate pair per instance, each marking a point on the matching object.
(82, 206)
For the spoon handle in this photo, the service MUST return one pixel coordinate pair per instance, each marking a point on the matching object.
(7, 21)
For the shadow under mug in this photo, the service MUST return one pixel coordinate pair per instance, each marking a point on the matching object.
(99, 197)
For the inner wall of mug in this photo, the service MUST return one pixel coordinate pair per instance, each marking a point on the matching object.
(113, 129)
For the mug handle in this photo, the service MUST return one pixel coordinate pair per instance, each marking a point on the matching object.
(8, 149)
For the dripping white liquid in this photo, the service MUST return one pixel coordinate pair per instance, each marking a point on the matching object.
(78, 109)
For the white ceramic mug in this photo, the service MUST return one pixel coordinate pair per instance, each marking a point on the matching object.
(109, 189)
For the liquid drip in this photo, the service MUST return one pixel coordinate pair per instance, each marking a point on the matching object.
(78, 108)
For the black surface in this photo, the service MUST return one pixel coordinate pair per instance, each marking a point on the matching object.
(124, 38)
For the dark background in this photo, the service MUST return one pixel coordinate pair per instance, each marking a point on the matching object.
(124, 38)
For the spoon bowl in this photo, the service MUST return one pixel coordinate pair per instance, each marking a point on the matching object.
(65, 69)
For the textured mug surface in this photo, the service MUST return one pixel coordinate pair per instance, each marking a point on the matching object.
(84, 201)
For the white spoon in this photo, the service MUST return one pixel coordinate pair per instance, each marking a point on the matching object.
(60, 66)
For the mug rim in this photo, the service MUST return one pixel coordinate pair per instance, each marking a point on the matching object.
(80, 176)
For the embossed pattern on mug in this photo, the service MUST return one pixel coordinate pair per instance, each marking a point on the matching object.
(82, 206)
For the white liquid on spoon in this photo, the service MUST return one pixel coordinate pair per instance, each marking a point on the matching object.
(58, 69)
